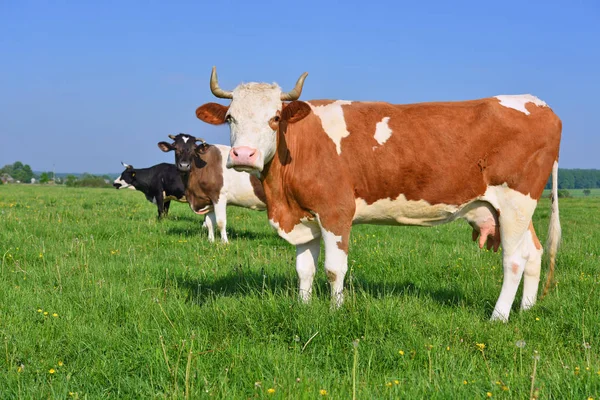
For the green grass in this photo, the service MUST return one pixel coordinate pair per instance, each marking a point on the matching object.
(149, 309)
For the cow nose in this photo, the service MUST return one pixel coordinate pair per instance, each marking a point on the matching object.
(184, 166)
(243, 155)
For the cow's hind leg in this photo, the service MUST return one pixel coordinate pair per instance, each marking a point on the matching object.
(515, 211)
(531, 277)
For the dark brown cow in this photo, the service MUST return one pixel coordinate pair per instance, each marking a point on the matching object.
(326, 165)
(209, 186)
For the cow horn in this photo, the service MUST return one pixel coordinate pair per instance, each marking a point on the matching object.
(126, 165)
(295, 93)
(172, 137)
(201, 140)
(214, 86)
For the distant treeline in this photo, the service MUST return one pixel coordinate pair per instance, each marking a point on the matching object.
(576, 179)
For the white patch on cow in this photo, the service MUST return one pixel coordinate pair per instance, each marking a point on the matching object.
(121, 182)
(516, 210)
(185, 138)
(304, 232)
(383, 131)
(252, 107)
(333, 121)
(518, 102)
(400, 211)
(237, 187)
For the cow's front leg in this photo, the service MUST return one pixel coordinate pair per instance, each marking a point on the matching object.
(336, 261)
(220, 208)
(307, 256)
(209, 221)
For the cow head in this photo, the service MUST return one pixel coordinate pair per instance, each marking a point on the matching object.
(127, 178)
(185, 148)
(254, 116)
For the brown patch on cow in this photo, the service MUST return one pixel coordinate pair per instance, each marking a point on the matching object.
(212, 113)
(331, 276)
(205, 179)
(257, 188)
(514, 268)
(536, 241)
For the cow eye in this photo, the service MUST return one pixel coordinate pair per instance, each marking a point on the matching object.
(276, 118)
(228, 118)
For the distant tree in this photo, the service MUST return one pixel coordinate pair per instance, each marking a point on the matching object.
(22, 172)
(564, 193)
(587, 192)
(44, 178)
(71, 180)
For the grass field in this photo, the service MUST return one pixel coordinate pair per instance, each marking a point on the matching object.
(99, 300)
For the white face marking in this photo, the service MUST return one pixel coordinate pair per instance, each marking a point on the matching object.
(185, 138)
(302, 233)
(122, 183)
(383, 131)
(333, 121)
(252, 107)
(518, 102)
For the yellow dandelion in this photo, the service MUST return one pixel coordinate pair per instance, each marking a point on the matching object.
(388, 384)
(51, 370)
(401, 352)
(537, 318)
(41, 255)
(465, 382)
(323, 392)
(576, 370)
(489, 394)
(505, 388)
(498, 383)
(397, 382)
(39, 310)
(60, 364)
(447, 348)
(270, 390)
(480, 346)
(45, 312)
(20, 369)
(55, 315)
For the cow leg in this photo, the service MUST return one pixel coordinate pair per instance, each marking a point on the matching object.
(336, 260)
(516, 211)
(220, 208)
(159, 201)
(307, 256)
(167, 205)
(531, 277)
(209, 222)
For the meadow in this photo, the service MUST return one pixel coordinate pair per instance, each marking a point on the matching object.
(98, 299)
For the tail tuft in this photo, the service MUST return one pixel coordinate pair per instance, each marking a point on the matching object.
(554, 231)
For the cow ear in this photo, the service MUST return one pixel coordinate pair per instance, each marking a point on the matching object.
(202, 148)
(295, 111)
(164, 146)
(212, 113)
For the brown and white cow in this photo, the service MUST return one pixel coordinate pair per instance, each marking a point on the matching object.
(209, 185)
(326, 165)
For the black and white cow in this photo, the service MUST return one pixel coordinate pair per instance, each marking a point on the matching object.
(160, 183)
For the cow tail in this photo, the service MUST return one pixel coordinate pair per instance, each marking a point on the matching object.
(554, 231)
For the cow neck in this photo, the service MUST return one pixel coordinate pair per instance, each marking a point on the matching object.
(205, 178)
(143, 177)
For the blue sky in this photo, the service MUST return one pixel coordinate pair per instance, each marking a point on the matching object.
(84, 85)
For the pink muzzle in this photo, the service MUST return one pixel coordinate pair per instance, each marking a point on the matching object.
(243, 156)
